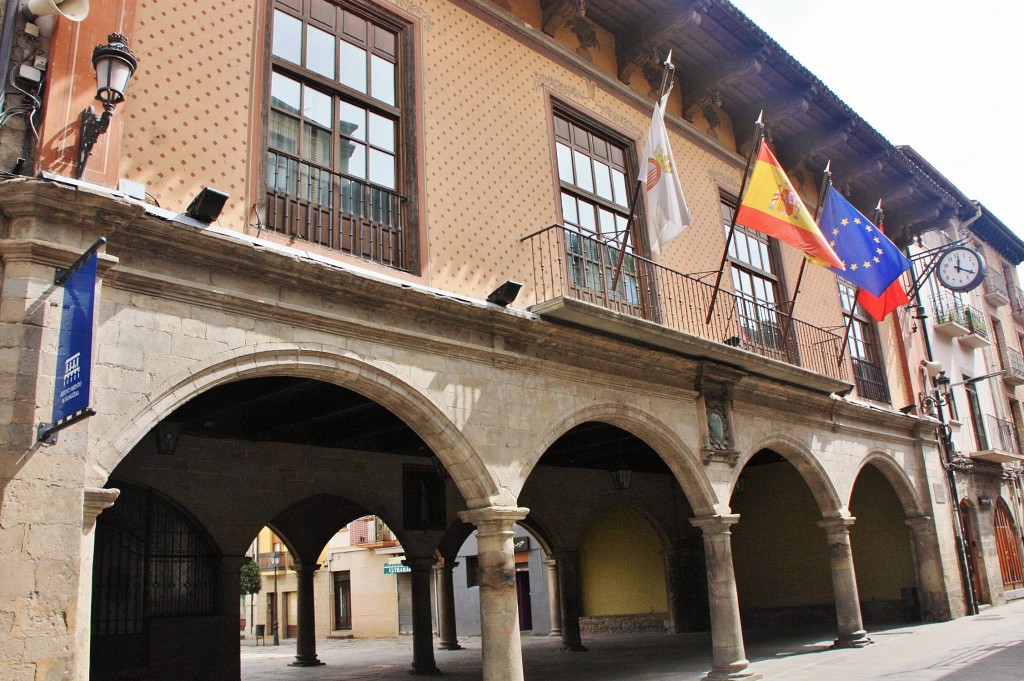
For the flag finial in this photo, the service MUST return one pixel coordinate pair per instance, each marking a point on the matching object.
(668, 60)
(760, 117)
(828, 167)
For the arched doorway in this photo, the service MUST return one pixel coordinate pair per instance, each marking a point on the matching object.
(1006, 545)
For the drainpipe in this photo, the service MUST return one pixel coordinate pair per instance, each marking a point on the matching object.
(945, 438)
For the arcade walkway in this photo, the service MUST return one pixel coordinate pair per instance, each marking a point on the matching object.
(988, 647)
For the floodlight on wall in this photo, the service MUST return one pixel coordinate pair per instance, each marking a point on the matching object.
(621, 477)
(72, 10)
(843, 393)
(909, 409)
(505, 294)
(932, 369)
(114, 64)
(984, 501)
(207, 205)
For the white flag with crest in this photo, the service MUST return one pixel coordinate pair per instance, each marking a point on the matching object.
(667, 215)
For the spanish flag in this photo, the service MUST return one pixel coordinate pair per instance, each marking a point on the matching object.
(771, 205)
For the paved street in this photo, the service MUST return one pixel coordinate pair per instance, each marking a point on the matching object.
(988, 647)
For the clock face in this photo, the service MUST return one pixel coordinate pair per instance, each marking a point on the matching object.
(961, 269)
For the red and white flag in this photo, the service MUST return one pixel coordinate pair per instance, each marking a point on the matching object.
(667, 215)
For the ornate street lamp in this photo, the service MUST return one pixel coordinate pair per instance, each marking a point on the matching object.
(275, 560)
(114, 64)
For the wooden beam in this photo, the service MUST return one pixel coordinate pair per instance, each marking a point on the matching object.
(650, 40)
(728, 73)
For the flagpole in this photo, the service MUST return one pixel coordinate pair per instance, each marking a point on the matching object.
(879, 218)
(826, 182)
(754, 148)
(666, 81)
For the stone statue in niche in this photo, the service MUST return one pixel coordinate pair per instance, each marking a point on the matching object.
(718, 427)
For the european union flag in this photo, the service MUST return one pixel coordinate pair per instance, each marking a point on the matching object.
(872, 261)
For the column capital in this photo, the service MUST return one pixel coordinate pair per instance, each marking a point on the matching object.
(921, 523)
(715, 524)
(491, 519)
(300, 567)
(550, 563)
(96, 500)
(837, 525)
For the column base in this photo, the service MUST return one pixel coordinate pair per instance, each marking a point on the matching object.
(857, 639)
(574, 649)
(449, 646)
(305, 662)
(432, 670)
(727, 675)
(555, 632)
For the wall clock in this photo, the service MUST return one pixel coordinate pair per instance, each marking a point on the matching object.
(961, 269)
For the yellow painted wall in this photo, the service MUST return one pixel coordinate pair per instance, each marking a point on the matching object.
(880, 539)
(621, 568)
(780, 555)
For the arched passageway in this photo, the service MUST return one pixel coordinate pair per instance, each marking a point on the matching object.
(302, 456)
(886, 577)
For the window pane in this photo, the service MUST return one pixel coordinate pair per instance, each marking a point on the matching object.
(382, 132)
(285, 93)
(602, 180)
(320, 51)
(382, 168)
(619, 185)
(740, 252)
(284, 132)
(384, 40)
(569, 212)
(318, 107)
(317, 145)
(564, 155)
(588, 221)
(607, 222)
(353, 159)
(353, 67)
(584, 176)
(353, 121)
(382, 79)
(287, 40)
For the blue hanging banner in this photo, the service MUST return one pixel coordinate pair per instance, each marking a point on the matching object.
(74, 348)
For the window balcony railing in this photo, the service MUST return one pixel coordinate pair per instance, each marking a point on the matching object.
(871, 381)
(1002, 435)
(1017, 303)
(996, 293)
(955, 318)
(266, 561)
(334, 211)
(1013, 365)
(571, 265)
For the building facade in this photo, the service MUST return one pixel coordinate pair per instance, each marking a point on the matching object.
(344, 339)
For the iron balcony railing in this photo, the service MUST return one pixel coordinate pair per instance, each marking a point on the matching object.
(1002, 435)
(266, 561)
(951, 309)
(871, 381)
(572, 265)
(334, 211)
(1013, 364)
(1017, 302)
(995, 283)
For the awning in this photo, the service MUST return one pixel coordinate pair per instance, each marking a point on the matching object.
(395, 568)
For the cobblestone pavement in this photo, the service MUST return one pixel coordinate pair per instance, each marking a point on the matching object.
(987, 647)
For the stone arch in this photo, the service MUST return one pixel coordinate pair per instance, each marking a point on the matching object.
(810, 469)
(897, 477)
(467, 470)
(652, 430)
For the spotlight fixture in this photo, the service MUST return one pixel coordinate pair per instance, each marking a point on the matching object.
(114, 64)
(207, 205)
(909, 409)
(844, 393)
(505, 294)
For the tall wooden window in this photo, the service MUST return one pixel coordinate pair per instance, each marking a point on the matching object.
(977, 423)
(868, 371)
(593, 167)
(1006, 545)
(338, 165)
(755, 282)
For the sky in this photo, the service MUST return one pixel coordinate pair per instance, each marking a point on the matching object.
(944, 77)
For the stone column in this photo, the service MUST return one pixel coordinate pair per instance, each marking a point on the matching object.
(729, 660)
(673, 590)
(844, 583)
(554, 597)
(569, 586)
(446, 627)
(422, 621)
(499, 606)
(229, 595)
(932, 595)
(95, 501)
(305, 643)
